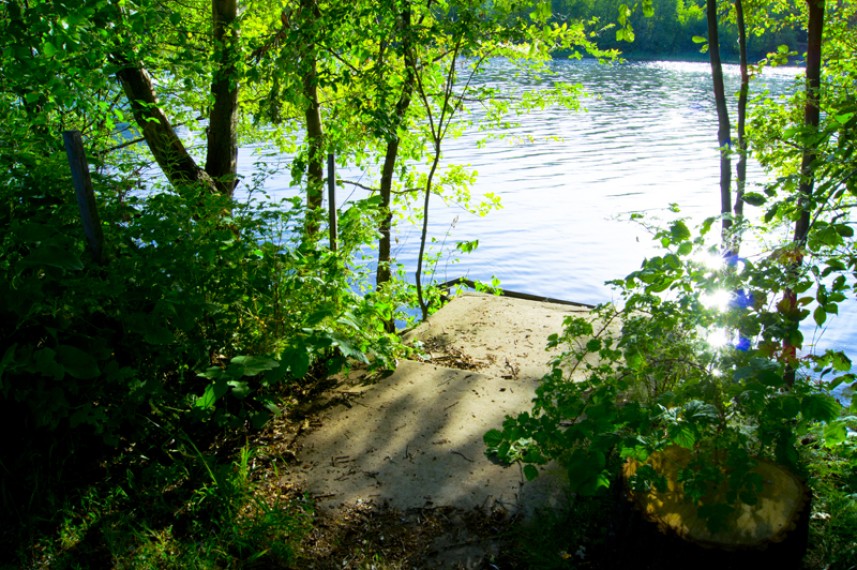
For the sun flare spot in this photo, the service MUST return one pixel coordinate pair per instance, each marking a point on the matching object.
(718, 338)
(718, 300)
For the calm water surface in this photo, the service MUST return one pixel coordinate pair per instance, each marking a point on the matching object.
(646, 139)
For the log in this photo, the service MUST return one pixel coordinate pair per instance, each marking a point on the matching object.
(773, 531)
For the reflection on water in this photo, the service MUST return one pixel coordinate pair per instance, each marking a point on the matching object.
(646, 139)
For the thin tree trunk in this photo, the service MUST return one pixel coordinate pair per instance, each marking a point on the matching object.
(424, 235)
(222, 154)
(741, 169)
(312, 114)
(811, 118)
(723, 127)
(382, 274)
(438, 132)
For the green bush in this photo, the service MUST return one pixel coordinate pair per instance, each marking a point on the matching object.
(204, 311)
(673, 367)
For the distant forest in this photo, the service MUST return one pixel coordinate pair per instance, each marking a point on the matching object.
(670, 29)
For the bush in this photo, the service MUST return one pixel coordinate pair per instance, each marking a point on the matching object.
(674, 367)
(205, 310)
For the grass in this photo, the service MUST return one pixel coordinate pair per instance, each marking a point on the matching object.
(191, 512)
(230, 505)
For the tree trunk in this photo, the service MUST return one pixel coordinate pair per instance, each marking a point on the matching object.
(382, 275)
(312, 115)
(741, 169)
(665, 529)
(723, 127)
(438, 130)
(811, 117)
(222, 158)
(167, 148)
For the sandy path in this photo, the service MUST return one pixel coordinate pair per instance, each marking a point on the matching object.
(414, 439)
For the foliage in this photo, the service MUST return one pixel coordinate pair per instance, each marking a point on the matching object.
(691, 357)
(833, 470)
(667, 28)
(666, 366)
(214, 515)
(195, 290)
(206, 310)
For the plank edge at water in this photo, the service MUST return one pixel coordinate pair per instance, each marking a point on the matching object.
(513, 294)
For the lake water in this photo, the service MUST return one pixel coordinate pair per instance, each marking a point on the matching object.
(567, 179)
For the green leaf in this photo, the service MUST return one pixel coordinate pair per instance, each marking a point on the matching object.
(682, 435)
(467, 246)
(530, 472)
(844, 230)
(820, 407)
(679, 231)
(835, 433)
(298, 361)
(240, 389)
(153, 332)
(77, 363)
(54, 255)
(49, 49)
(493, 438)
(635, 360)
(819, 315)
(45, 362)
(648, 8)
(253, 365)
(8, 357)
(699, 39)
(754, 199)
(212, 393)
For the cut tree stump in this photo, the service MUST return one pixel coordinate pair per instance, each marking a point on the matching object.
(670, 533)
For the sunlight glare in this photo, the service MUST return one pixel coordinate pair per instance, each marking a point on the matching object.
(718, 300)
(711, 260)
(718, 338)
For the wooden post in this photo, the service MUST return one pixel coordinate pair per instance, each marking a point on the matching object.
(85, 195)
(331, 200)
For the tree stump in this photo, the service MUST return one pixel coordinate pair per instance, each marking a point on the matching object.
(668, 532)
